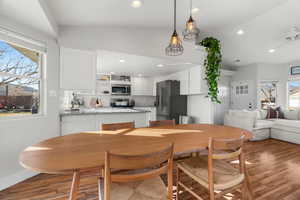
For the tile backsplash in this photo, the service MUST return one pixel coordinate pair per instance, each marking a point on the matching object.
(66, 97)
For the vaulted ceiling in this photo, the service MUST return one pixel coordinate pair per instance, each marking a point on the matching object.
(264, 22)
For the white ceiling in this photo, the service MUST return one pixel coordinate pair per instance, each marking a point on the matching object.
(29, 12)
(109, 61)
(264, 21)
(213, 13)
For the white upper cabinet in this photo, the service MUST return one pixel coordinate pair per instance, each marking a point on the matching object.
(183, 77)
(142, 86)
(197, 83)
(78, 69)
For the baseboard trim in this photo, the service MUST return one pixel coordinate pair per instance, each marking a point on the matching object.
(15, 178)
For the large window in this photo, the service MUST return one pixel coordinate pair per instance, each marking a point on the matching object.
(294, 94)
(20, 80)
(268, 94)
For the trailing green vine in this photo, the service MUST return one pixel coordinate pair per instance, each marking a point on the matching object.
(212, 65)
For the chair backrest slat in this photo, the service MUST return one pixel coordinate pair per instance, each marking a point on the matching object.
(129, 162)
(162, 123)
(228, 144)
(117, 126)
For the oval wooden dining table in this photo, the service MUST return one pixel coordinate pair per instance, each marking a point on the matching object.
(83, 152)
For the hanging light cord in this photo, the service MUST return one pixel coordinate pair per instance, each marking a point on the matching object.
(174, 15)
(191, 7)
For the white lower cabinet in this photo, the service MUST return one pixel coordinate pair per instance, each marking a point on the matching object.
(150, 115)
(81, 123)
(138, 118)
(77, 123)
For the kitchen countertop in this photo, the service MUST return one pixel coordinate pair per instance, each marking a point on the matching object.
(104, 110)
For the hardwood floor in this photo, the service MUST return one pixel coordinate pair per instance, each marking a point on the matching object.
(274, 167)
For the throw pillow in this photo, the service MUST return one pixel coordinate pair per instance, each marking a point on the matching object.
(275, 113)
(280, 114)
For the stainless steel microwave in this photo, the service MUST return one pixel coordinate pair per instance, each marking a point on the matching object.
(118, 89)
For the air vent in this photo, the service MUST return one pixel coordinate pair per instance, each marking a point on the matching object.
(293, 34)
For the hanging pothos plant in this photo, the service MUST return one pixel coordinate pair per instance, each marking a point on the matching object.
(212, 65)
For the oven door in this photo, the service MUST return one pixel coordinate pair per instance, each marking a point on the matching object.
(120, 89)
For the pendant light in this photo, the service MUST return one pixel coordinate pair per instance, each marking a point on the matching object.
(175, 47)
(191, 31)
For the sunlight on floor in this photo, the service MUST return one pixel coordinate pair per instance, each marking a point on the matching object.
(237, 162)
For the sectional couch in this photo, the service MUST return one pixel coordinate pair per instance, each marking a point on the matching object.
(287, 129)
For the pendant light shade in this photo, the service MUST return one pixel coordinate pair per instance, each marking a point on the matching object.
(175, 47)
(191, 31)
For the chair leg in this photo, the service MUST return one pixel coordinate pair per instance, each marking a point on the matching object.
(101, 188)
(177, 185)
(75, 186)
(170, 183)
(244, 190)
(211, 195)
(249, 189)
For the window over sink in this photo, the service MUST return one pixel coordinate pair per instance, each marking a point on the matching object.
(21, 77)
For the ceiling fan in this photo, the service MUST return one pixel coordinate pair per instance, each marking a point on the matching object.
(293, 34)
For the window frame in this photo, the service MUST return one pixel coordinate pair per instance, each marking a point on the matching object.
(288, 94)
(42, 78)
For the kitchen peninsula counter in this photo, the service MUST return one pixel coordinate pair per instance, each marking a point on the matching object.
(104, 110)
(92, 119)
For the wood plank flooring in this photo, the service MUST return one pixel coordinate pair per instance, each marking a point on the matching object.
(274, 167)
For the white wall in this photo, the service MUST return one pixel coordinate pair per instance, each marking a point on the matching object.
(17, 134)
(224, 96)
(280, 73)
(245, 74)
(200, 108)
(264, 72)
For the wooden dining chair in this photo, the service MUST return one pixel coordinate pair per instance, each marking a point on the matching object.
(162, 123)
(214, 172)
(117, 126)
(137, 177)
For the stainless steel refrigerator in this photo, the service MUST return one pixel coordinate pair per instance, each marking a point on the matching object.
(169, 103)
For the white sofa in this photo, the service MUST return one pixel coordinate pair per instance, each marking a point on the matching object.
(287, 129)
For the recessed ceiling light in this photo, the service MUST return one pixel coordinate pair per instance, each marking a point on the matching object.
(271, 50)
(160, 65)
(195, 10)
(240, 32)
(136, 3)
(122, 60)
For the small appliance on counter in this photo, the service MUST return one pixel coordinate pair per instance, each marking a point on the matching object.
(76, 102)
(123, 103)
(95, 103)
(186, 119)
